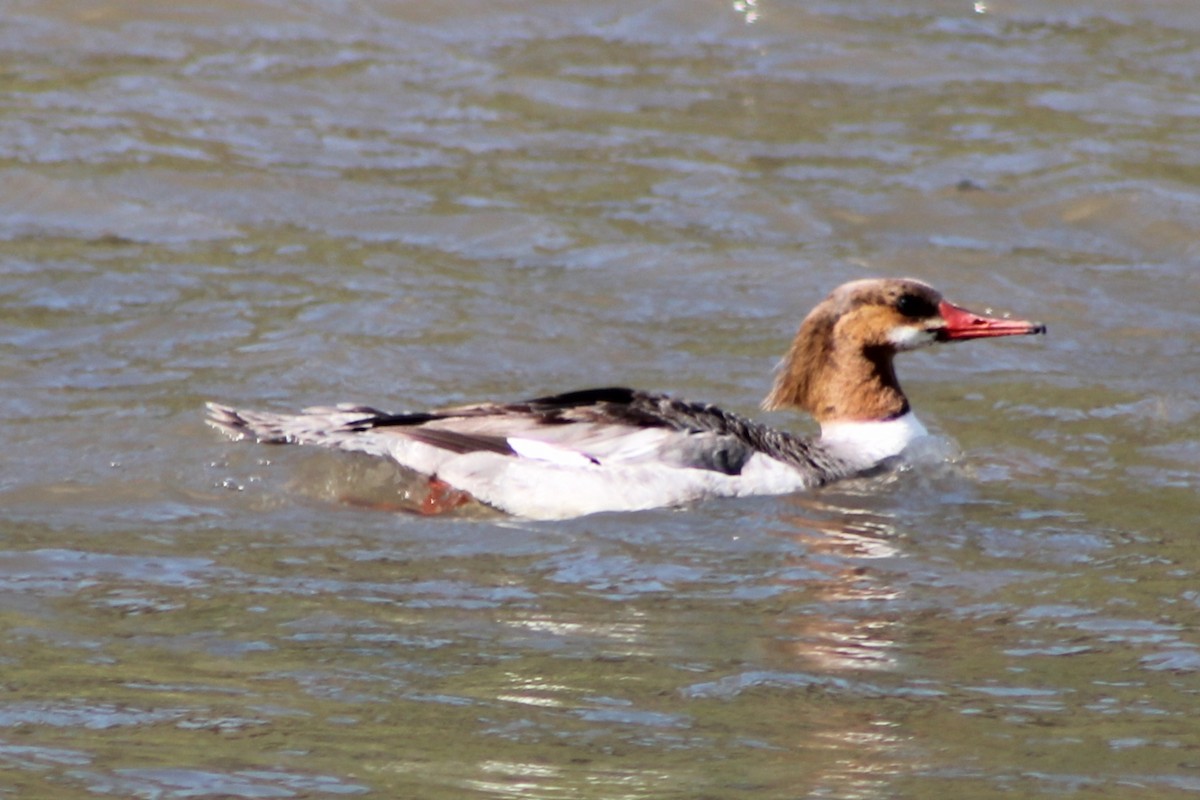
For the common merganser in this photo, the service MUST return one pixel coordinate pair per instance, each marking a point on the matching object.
(617, 449)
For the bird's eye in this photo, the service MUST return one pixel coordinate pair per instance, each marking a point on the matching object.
(914, 307)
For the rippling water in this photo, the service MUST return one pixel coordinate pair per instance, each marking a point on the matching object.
(279, 204)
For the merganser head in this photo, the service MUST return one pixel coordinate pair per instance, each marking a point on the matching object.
(839, 367)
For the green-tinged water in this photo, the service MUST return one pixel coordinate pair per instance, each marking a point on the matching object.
(285, 204)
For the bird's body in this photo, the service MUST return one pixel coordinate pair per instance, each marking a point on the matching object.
(618, 449)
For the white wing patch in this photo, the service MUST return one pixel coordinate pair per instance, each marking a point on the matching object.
(545, 451)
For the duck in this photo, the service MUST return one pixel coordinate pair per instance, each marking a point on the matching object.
(616, 449)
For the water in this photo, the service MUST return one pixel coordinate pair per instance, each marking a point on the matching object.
(283, 204)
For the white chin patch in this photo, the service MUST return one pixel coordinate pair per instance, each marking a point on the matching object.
(910, 337)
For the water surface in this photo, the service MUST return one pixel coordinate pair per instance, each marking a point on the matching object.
(284, 204)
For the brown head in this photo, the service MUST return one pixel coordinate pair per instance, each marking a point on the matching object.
(839, 367)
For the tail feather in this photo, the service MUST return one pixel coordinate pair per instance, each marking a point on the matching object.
(329, 426)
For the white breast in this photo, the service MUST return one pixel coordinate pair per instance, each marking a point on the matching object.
(868, 443)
